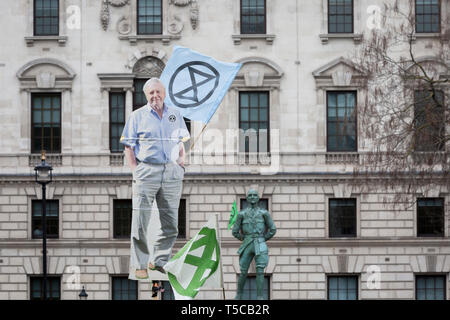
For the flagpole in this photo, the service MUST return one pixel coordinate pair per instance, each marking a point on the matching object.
(220, 257)
(198, 137)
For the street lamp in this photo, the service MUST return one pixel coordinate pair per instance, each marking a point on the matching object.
(43, 175)
(83, 295)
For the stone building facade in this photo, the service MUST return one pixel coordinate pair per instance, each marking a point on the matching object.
(97, 54)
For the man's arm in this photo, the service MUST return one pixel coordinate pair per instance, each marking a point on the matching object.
(181, 155)
(131, 159)
(271, 229)
(236, 231)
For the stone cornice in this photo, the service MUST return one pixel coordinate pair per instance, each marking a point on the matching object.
(228, 242)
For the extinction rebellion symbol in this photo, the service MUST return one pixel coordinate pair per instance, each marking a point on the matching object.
(192, 84)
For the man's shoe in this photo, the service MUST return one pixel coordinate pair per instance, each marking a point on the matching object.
(141, 274)
(156, 268)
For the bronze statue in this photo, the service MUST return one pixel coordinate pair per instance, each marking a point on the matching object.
(254, 227)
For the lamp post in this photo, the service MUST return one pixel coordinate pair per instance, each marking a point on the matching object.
(83, 295)
(43, 175)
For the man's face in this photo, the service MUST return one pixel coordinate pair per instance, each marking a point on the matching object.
(155, 95)
(252, 197)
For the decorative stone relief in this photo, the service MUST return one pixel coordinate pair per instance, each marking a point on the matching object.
(175, 25)
(144, 52)
(194, 12)
(341, 78)
(45, 80)
(149, 66)
(123, 26)
(104, 13)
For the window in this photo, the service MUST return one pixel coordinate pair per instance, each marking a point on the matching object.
(51, 216)
(46, 122)
(342, 218)
(430, 287)
(263, 203)
(46, 17)
(253, 16)
(182, 219)
(116, 120)
(122, 212)
(429, 122)
(149, 13)
(341, 121)
(342, 288)
(124, 289)
(249, 291)
(428, 16)
(53, 288)
(139, 98)
(340, 16)
(430, 217)
(167, 293)
(254, 121)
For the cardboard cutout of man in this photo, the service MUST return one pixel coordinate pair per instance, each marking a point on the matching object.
(254, 226)
(153, 137)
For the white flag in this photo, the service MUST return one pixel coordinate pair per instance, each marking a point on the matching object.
(197, 265)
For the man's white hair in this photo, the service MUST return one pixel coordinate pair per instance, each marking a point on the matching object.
(151, 81)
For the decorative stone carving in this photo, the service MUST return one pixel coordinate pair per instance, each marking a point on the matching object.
(149, 66)
(341, 78)
(175, 25)
(144, 52)
(180, 3)
(194, 14)
(123, 26)
(193, 10)
(254, 78)
(45, 80)
(104, 13)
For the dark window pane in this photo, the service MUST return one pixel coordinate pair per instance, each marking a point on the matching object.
(428, 121)
(149, 17)
(122, 213)
(117, 119)
(342, 288)
(427, 16)
(256, 117)
(139, 98)
(342, 218)
(430, 287)
(253, 17)
(340, 16)
(249, 292)
(46, 17)
(430, 217)
(52, 219)
(124, 289)
(182, 219)
(341, 121)
(53, 288)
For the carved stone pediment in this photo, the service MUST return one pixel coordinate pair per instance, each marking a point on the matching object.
(46, 73)
(148, 67)
(258, 72)
(338, 73)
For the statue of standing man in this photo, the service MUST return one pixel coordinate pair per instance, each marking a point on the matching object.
(254, 227)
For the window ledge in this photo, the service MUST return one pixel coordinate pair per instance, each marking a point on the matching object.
(357, 37)
(54, 159)
(237, 38)
(434, 35)
(342, 158)
(151, 37)
(60, 39)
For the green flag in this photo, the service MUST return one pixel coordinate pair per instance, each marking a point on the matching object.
(233, 215)
(197, 264)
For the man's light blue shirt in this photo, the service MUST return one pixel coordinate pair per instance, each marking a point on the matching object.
(153, 139)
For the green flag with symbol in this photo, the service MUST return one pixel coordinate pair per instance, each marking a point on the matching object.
(233, 215)
(197, 264)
